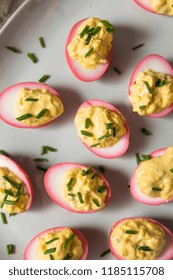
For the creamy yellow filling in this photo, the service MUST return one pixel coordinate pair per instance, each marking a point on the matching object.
(162, 6)
(19, 198)
(40, 100)
(105, 127)
(155, 176)
(152, 92)
(101, 44)
(83, 191)
(145, 243)
(59, 245)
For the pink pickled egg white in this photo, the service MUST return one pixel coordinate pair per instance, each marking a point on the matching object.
(158, 64)
(82, 74)
(166, 254)
(135, 191)
(8, 98)
(29, 253)
(121, 146)
(6, 162)
(144, 4)
(53, 182)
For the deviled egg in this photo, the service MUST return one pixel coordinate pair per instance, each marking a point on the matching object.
(164, 7)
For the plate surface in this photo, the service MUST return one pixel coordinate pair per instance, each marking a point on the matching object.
(53, 20)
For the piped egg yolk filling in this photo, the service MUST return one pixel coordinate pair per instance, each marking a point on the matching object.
(138, 239)
(36, 107)
(154, 177)
(162, 6)
(99, 127)
(152, 92)
(59, 245)
(13, 196)
(91, 43)
(84, 189)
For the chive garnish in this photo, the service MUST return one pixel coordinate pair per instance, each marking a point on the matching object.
(88, 170)
(32, 57)
(147, 86)
(83, 173)
(105, 253)
(50, 251)
(93, 176)
(9, 202)
(88, 39)
(32, 99)
(86, 133)
(80, 197)
(9, 193)
(131, 231)
(114, 131)
(44, 78)
(68, 241)
(117, 71)
(41, 168)
(12, 214)
(69, 184)
(138, 159)
(160, 83)
(105, 136)
(96, 30)
(24, 117)
(41, 113)
(95, 202)
(87, 123)
(15, 185)
(138, 46)
(40, 159)
(145, 248)
(2, 152)
(71, 194)
(109, 125)
(95, 145)
(145, 131)
(171, 170)
(42, 43)
(145, 157)
(156, 189)
(101, 168)
(50, 149)
(9, 249)
(2, 203)
(51, 257)
(110, 29)
(12, 49)
(142, 107)
(84, 31)
(3, 218)
(101, 189)
(42, 150)
(67, 257)
(106, 23)
(89, 52)
(52, 240)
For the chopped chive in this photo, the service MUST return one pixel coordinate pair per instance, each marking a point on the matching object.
(128, 186)
(110, 29)
(67, 257)
(160, 83)
(44, 78)
(105, 136)
(105, 253)
(117, 71)
(3, 218)
(2, 152)
(69, 184)
(9, 249)
(50, 149)
(83, 172)
(32, 99)
(95, 145)
(41, 113)
(145, 157)
(138, 159)
(52, 240)
(89, 52)
(86, 133)
(2, 203)
(41, 168)
(12, 214)
(93, 176)
(71, 194)
(9, 202)
(101, 168)
(42, 43)
(138, 46)
(109, 125)
(24, 117)
(88, 39)
(142, 107)
(32, 57)
(156, 189)
(145, 248)
(50, 251)
(87, 123)
(80, 197)
(15, 185)
(145, 131)
(51, 257)
(88, 170)
(101, 189)
(95, 202)
(147, 86)
(96, 30)
(12, 49)
(84, 31)
(106, 23)
(42, 150)
(114, 131)
(171, 170)
(40, 159)
(9, 193)
(131, 231)
(68, 241)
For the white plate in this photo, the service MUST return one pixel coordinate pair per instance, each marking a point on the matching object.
(53, 20)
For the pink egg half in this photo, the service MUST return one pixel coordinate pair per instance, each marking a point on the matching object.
(82, 74)
(53, 184)
(166, 254)
(8, 98)
(145, 4)
(121, 146)
(29, 253)
(135, 191)
(6, 162)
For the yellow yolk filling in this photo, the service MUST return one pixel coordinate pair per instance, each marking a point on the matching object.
(162, 6)
(138, 239)
(151, 93)
(17, 199)
(40, 104)
(100, 43)
(154, 177)
(105, 127)
(84, 191)
(59, 245)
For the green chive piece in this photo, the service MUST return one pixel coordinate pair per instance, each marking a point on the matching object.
(70, 183)
(147, 86)
(156, 189)
(87, 172)
(12, 214)
(131, 231)
(105, 253)
(68, 241)
(138, 159)
(42, 43)
(12, 49)
(145, 157)
(3, 218)
(41, 159)
(9, 249)
(101, 168)
(87, 123)
(109, 125)
(117, 71)
(95, 202)
(96, 30)
(2, 152)
(2, 203)
(88, 39)
(106, 23)
(145, 131)
(41, 113)
(142, 107)
(145, 248)
(52, 240)
(105, 136)
(95, 145)
(83, 173)
(15, 185)
(114, 131)
(51, 257)
(50, 149)
(101, 189)
(86, 133)
(110, 30)
(50, 251)
(44, 78)
(32, 99)
(67, 257)
(9, 202)
(89, 52)
(41, 168)
(32, 57)
(71, 194)
(138, 46)
(171, 170)
(42, 150)
(84, 31)
(80, 197)
(93, 176)
(24, 117)
(161, 83)
(9, 193)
